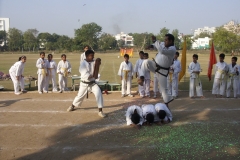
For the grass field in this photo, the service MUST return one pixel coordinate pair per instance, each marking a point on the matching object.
(109, 67)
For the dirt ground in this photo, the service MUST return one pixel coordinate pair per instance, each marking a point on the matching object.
(34, 126)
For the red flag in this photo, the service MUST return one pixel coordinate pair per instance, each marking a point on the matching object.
(212, 61)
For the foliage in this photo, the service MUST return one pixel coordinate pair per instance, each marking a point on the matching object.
(15, 39)
(226, 41)
(189, 42)
(30, 39)
(177, 41)
(106, 42)
(203, 35)
(162, 33)
(3, 40)
(142, 40)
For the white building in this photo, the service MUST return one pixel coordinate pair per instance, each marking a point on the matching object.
(201, 43)
(128, 40)
(4, 25)
(233, 27)
(208, 30)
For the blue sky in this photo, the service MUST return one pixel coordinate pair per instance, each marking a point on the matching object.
(61, 16)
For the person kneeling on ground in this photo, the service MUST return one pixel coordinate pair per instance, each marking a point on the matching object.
(149, 114)
(134, 116)
(163, 113)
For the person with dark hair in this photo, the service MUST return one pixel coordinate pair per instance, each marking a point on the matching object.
(149, 114)
(126, 73)
(137, 70)
(63, 69)
(83, 56)
(52, 70)
(134, 116)
(161, 65)
(147, 80)
(194, 70)
(42, 73)
(16, 73)
(164, 114)
(88, 83)
(219, 84)
(174, 70)
(233, 78)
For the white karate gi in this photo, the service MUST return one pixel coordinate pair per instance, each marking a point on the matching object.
(195, 82)
(82, 57)
(239, 80)
(63, 69)
(147, 81)
(129, 113)
(232, 80)
(173, 78)
(42, 71)
(149, 108)
(17, 70)
(52, 70)
(156, 86)
(86, 69)
(137, 69)
(126, 68)
(164, 58)
(162, 106)
(220, 79)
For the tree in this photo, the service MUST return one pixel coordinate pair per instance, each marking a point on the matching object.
(106, 41)
(3, 39)
(15, 39)
(63, 42)
(189, 42)
(203, 35)
(226, 41)
(44, 39)
(142, 40)
(177, 41)
(88, 34)
(163, 32)
(30, 39)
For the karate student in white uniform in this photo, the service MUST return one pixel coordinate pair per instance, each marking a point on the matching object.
(126, 73)
(42, 73)
(16, 73)
(238, 81)
(82, 57)
(164, 114)
(163, 61)
(134, 116)
(137, 69)
(220, 79)
(233, 78)
(149, 114)
(173, 76)
(52, 70)
(194, 70)
(156, 87)
(88, 84)
(147, 80)
(63, 69)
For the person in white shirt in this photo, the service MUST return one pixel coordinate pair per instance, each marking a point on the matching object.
(194, 70)
(52, 70)
(42, 73)
(16, 73)
(163, 112)
(137, 69)
(161, 65)
(220, 79)
(147, 79)
(126, 73)
(149, 114)
(63, 69)
(83, 56)
(175, 68)
(233, 78)
(88, 83)
(134, 116)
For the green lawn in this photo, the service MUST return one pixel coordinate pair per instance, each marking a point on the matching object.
(109, 67)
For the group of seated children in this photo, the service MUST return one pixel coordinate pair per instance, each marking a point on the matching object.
(148, 114)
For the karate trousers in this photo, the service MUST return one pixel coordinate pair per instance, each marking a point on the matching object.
(126, 85)
(52, 78)
(219, 86)
(195, 84)
(83, 89)
(232, 83)
(41, 82)
(62, 82)
(173, 85)
(16, 82)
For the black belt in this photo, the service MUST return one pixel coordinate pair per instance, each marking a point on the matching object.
(89, 83)
(160, 67)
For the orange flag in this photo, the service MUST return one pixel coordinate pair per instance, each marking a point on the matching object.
(212, 61)
(183, 60)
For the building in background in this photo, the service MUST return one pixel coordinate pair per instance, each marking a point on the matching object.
(4, 26)
(208, 30)
(128, 40)
(201, 43)
(232, 26)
